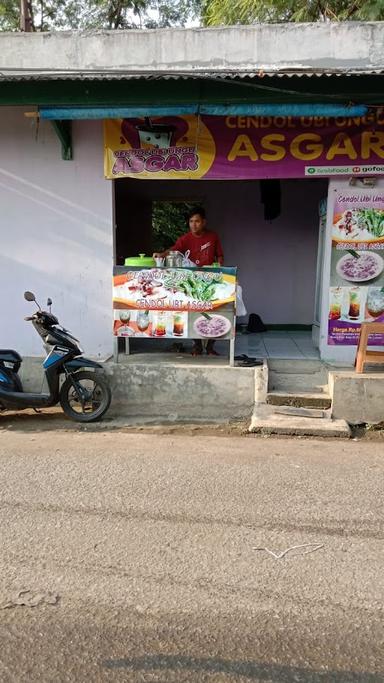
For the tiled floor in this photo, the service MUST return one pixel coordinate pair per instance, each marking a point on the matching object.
(287, 345)
(275, 344)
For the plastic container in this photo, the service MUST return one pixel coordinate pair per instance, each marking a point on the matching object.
(141, 261)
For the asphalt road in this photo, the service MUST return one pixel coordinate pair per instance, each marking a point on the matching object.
(147, 544)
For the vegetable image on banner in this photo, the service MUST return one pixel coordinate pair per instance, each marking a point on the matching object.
(357, 264)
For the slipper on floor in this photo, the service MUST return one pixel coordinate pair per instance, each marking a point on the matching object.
(244, 357)
(249, 363)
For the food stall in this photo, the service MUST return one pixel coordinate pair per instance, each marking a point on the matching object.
(178, 303)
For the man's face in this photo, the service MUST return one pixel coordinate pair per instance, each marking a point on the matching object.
(197, 224)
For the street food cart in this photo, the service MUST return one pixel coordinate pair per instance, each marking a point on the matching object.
(174, 303)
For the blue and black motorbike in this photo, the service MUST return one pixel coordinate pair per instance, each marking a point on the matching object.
(84, 394)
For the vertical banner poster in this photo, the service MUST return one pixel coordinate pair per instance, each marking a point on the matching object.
(357, 264)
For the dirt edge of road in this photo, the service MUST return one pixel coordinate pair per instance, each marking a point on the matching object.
(54, 420)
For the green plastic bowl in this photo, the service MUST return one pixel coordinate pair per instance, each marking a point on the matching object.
(141, 261)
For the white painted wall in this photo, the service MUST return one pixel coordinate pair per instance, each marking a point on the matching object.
(55, 232)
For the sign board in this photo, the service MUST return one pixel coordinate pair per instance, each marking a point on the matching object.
(176, 303)
(243, 147)
(357, 264)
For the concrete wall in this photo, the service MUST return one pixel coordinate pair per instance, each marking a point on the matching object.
(56, 232)
(274, 48)
(187, 393)
(276, 259)
(357, 398)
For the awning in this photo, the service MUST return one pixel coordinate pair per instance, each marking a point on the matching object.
(294, 110)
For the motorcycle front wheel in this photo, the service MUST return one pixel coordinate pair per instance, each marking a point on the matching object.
(85, 396)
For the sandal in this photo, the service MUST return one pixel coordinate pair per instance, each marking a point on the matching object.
(212, 352)
(248, 363)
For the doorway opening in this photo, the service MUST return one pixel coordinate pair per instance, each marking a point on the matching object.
(275, 248)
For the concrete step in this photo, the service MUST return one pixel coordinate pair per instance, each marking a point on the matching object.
(299, 426)
(301, 412)
(296, 366)
(297, 376)
(299, 399)
(302, 382)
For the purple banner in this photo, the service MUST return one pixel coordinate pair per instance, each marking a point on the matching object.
(243, 147)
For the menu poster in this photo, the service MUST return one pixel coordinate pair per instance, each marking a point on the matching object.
(357, 264)
(176, 303)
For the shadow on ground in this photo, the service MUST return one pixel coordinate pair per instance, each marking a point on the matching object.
(252, 670)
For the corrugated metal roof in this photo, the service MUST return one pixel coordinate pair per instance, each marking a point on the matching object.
(113, 75)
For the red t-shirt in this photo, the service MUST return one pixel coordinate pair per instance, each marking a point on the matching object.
(204, 249)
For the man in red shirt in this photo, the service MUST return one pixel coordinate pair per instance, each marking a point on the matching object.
(203, 245)
(204, 248)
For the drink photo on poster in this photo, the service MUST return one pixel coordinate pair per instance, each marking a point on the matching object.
(347, 304)
(375, 304)
(134, 323)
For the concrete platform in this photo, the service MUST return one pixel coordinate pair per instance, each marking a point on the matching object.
(191, 390)
(291, 425)
(357, 398)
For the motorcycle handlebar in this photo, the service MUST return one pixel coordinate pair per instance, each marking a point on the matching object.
(28, 318)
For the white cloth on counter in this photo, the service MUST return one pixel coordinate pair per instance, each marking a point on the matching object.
(240, 307)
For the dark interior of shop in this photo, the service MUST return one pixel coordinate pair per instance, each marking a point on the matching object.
(269, 230)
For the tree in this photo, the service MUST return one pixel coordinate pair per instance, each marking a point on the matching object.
(169, 221)
(228, 12)
(99, 14)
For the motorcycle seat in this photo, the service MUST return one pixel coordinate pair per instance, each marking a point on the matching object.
(10, 356)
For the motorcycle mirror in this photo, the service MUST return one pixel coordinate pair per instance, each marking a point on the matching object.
(29, 296)
(49, 302)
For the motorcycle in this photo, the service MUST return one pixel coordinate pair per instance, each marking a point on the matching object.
(84, 394)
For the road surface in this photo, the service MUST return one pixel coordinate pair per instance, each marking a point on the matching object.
(140, 552)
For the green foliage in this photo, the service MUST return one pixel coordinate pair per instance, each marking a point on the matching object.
(100, 14)
(228, 12)
(169, 221)
(9, 15)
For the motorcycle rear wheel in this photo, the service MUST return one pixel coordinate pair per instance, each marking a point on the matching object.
(85, 397)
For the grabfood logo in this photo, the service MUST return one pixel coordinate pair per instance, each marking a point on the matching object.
(343, 170)
(161, 147)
